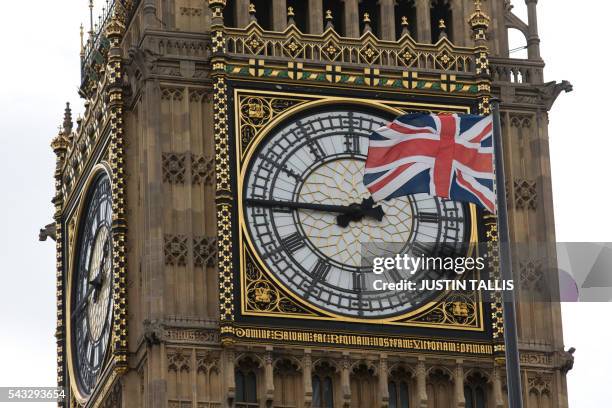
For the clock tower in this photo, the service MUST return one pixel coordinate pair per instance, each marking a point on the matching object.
(213, 229)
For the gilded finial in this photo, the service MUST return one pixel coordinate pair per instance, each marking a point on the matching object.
(366, 21)
(405, 25)
(290, 16)
(442, 27)
(252, 12)
(479, 21)
(329, 18)
(81, 34)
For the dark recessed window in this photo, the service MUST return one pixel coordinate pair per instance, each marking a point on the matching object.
(405, 8)
(337, 10)
(440, 10)
(263, 12)
(300, 9)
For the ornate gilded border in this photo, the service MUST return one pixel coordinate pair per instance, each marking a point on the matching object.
(255, 113)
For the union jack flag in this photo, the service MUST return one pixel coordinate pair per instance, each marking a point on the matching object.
(449, 156)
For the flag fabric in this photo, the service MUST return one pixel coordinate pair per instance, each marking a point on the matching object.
(448, 156)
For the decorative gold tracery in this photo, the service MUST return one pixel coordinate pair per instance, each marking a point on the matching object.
(257, 111)
(263, 295)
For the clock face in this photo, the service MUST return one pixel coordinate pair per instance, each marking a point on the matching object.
(309, 218)
(91, 308)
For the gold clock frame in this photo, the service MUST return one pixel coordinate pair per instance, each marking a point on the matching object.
(250, 107)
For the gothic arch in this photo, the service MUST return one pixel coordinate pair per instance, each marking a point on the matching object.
(440, 382)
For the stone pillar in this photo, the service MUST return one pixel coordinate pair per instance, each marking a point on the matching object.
(423, 13)
(351, 19)
(498, 398)
(387, 20)
(242, 13)
(230, 380)
(279, 15)
(315, 16)
(149, 11)
(307, 376)
(345, 379)
(269, 375)
(459, 395)
(421, 376)
(533, 41)
(383, 382)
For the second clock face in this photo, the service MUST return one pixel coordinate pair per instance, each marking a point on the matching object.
(91, 308)
(305, 175)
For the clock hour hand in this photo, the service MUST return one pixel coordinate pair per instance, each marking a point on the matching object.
(348, 213)
(98, 280)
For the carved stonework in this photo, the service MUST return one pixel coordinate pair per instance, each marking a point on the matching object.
(520, 121)
(537, 359)
(191, 11)
(531, 273)
(539, 383)
(168, 94)
(207, 361)
(178, 360)
(205, 251)
(173, 167)
(114, 398)
(202, 170)
(175, 249)
(525, 194)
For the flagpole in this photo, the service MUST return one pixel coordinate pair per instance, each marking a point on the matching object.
(513, 368)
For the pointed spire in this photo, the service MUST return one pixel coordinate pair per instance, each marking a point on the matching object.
(91, 19)
(367, 28)
(329, 20)
(442, 27)
(67, 125)
(81, 34)
(252, 12)
(405, 26)
(290, 16)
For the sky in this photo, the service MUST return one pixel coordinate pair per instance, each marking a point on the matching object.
(40, 72)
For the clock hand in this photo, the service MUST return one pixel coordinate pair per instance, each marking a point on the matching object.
(353, 212)
(98, 280)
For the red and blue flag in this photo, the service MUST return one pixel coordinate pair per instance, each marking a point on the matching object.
(448, 156)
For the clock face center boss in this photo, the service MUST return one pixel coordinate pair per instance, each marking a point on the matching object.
(315, 229)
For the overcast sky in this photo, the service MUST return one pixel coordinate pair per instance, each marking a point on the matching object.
(39, 72)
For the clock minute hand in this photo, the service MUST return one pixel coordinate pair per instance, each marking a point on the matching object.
(353, 212)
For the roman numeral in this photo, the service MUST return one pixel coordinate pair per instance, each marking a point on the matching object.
(293, 242)
(358, 282)
(432, 218)
(320, 271)
(351, 143)
(316, 149)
